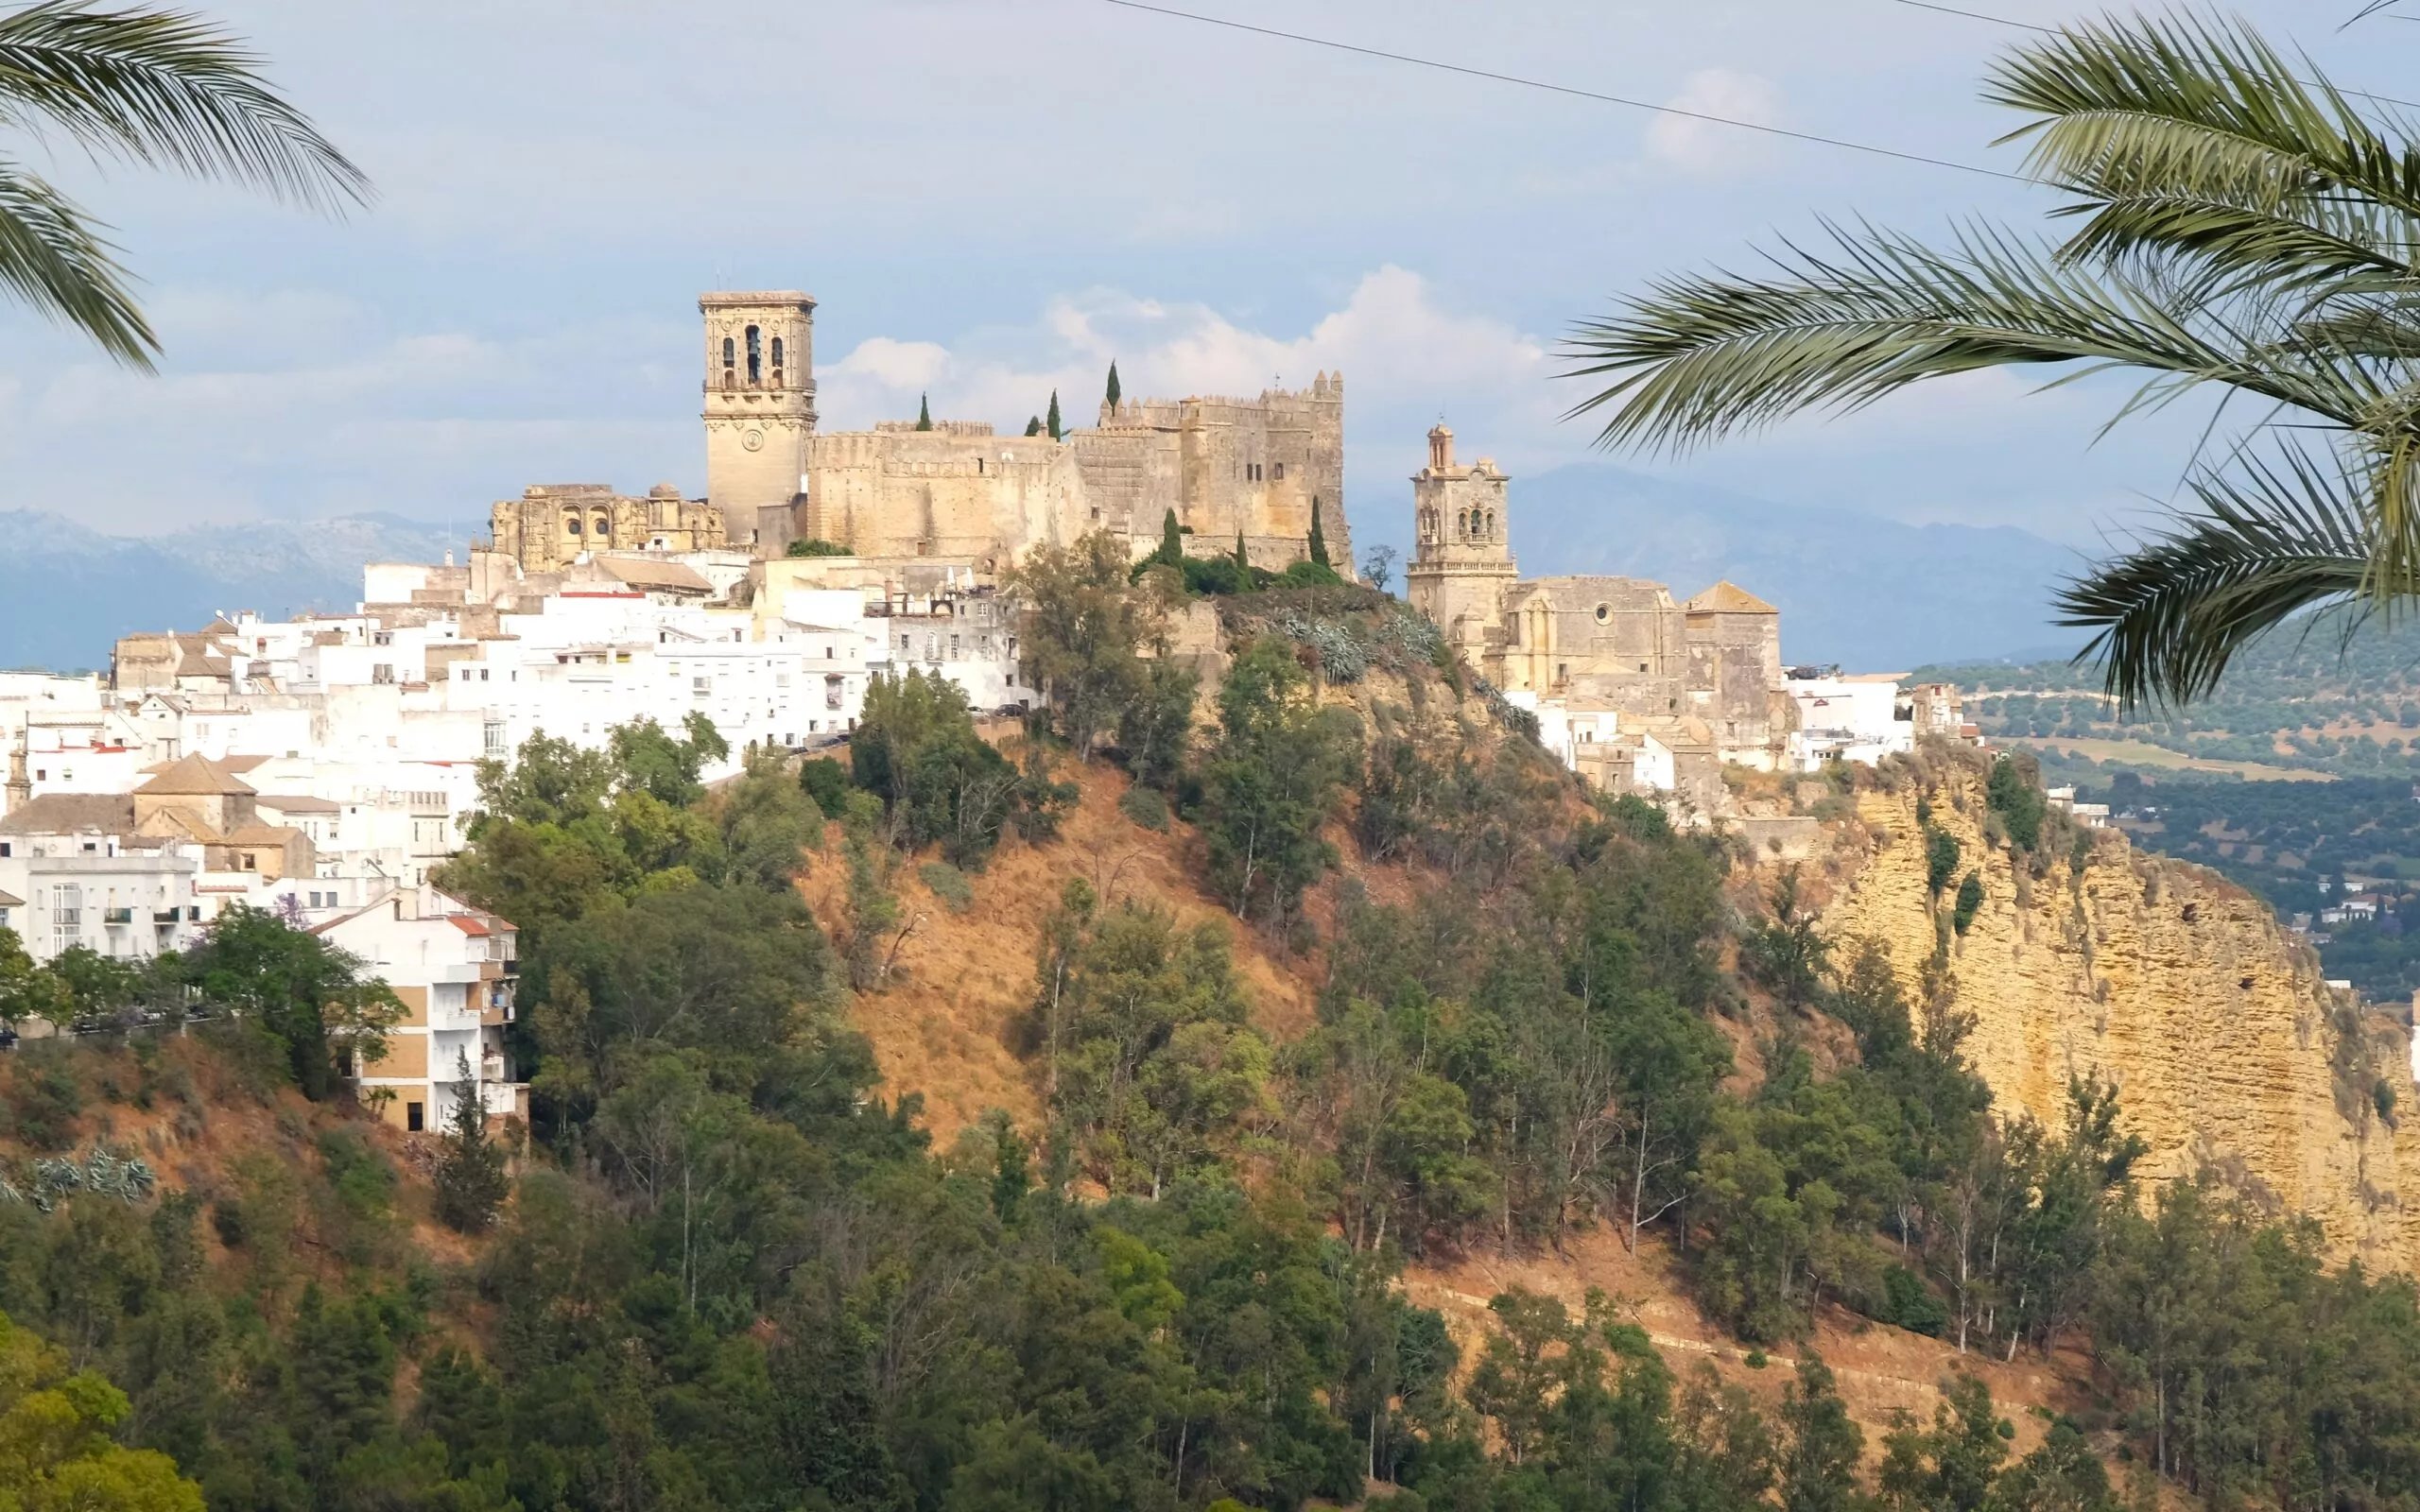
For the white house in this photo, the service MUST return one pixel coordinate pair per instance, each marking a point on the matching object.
(454, 969)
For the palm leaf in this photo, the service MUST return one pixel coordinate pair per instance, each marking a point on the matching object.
(166, 90)
(1698, 357)
(2268, 543)
(52, 258)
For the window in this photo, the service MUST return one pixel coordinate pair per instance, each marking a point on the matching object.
(571, 526)
(483, 674)
(953, 648)
(414, 1118)
(1279, 473)
(833, 684)
(730, 355)
(777, 362)
(756, 358)
(1604, 612)
(4, 849)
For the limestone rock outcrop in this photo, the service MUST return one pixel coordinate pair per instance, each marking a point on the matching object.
(2166, 981)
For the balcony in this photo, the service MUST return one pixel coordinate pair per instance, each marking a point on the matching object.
(117, 915)
(165, 916)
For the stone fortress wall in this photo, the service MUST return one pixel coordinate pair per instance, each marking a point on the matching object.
(1256, 467)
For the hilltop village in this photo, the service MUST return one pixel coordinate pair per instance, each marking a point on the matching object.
(320, 767)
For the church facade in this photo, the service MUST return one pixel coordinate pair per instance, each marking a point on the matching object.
(1258, 468)
(1706, 672)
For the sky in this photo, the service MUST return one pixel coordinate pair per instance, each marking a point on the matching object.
(991, 198)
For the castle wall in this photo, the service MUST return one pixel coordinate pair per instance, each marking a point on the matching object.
(1735, 662)
(551, 523)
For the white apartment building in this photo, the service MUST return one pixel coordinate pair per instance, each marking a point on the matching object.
(454, 968)
(1857, 718)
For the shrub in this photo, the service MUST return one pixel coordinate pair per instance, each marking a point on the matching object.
(949, 884)
(818, 548)
(1146, 807)
(45, 1097)
(1941, 859)
(1970, 900)
(827, 782)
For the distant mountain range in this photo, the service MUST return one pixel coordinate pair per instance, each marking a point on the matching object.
(1870, 593)
(67, 593)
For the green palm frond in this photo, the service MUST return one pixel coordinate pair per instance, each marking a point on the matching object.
(1699, 358)
(2268, 544)
(2201, 109)
(51, 258)
(165, 89)
(160, 89)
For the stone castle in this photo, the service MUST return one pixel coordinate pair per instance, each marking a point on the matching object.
(1256, 467)
(1706, 673)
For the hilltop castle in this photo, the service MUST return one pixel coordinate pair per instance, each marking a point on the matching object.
(1704, 676)
(1256, 467)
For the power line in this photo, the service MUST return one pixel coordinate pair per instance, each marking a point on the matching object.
(1566, 89)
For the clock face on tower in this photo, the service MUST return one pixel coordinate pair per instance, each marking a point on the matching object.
(753, 441)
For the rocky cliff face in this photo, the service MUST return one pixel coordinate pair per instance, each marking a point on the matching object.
(2164, 979)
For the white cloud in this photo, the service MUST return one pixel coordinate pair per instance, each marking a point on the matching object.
(1708, 147)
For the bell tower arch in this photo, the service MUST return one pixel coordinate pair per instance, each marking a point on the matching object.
(759, 386)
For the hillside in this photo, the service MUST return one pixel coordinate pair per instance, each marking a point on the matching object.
(2173, 985)
(1313, 1098)
(2306, 698)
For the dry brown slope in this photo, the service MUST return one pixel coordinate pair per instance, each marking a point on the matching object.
(944, 1025)
(2172, 983)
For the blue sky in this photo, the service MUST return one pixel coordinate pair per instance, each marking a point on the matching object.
(992, 197)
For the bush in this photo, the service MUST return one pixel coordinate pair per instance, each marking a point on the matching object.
(1941, 859)
(44, 1096)
(1907, 1303)
(949, 884)
(818, 548)
(1970, 900)
(1146, 807)
(827, 782)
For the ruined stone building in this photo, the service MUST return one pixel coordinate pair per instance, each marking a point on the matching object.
(1704, 674)
(1256, 467)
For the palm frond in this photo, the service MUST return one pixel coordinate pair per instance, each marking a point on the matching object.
(52, 258)
(2268, 542)
(2227, 248)
(2207, 109)
(1703, 356)
(166, 89)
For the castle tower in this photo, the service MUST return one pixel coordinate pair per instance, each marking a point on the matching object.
(759, 407)
(1462, 565)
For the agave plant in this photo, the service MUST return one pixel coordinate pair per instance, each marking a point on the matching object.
(153, 87)
(2242, 227)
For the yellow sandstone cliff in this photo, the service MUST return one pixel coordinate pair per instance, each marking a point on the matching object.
(2169, 982)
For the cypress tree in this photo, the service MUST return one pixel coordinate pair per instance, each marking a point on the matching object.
(1171, 541)
(923, 413)
(1113, 390)
(1241, 560)
(1056, 432)
(1034, 427)
(1319, 540)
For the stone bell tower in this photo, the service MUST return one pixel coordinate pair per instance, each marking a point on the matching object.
(759, 409)
(1462, 565)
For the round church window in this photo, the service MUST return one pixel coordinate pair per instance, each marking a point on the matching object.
(753, 441)
(1604, 612)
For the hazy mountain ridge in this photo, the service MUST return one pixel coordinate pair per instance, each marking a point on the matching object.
(67, 592)
(1872, 594)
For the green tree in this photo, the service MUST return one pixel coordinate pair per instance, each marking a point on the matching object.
(1114, 391)
(56, 1449)
(923, 413)
(470, 1181)
(1968, 904)
(1081, 629)
(1171, 541)
(1941, 858)
(2014, 792)
(310, 997)
(1033, 426)
(1279, 770)
(2242, 226)
(1051, 424)
(1319, 541)
(1817, 1471)
(154, 89)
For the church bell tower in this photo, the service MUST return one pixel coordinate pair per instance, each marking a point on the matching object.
(1462, 565)
(759, 409)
